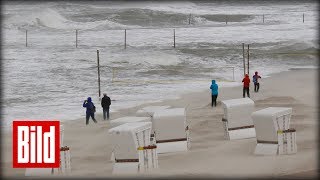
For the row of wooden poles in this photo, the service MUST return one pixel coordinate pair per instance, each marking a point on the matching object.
(125, 33)
(244, 66)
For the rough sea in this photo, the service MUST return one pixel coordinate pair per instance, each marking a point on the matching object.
(50, 78)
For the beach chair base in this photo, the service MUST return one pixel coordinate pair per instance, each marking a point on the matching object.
(286, 144)
(125, 168)
(172, 147)
(39, 172)
(266, 149)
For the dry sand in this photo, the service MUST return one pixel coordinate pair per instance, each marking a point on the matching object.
(210, 154)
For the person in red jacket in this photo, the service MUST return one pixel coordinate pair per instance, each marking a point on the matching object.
(246, 85)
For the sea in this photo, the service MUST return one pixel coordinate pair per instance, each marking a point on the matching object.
(148, 50)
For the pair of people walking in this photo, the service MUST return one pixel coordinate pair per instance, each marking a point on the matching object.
(246, 84)
(91, 109)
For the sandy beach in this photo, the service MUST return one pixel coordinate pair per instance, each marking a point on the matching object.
(210, 154)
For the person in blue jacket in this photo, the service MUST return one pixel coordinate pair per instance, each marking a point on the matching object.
(91, 109)
(214, 93)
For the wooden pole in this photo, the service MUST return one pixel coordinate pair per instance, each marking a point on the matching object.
(76, 38)
(98, 73)
(233, 73)
(303, 17)
(226, 19)
(26, 38)
(244, 60)
(248, 60)
(174, 38)
(190, 19)
(263, 18)
(125, 38)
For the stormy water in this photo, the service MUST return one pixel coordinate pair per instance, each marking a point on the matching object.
(50, 77)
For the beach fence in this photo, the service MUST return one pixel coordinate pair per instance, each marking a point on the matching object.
(119, 75)
(123, 33)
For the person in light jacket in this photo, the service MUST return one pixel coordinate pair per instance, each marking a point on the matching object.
(214, 93)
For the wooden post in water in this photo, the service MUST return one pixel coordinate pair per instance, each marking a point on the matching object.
(76, 38)
(248, 60)
(98, 73)
(303, 17)
(263, 18)
(125, 38)
(174, 38)
(244, 60)
(190, 19)
(226, 19)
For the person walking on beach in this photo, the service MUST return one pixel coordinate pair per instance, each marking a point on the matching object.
(214, 93)
(256, 82)
(91, 109)
(246, 85)
(105, 103)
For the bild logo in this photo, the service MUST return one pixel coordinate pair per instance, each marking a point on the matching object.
(36, 144)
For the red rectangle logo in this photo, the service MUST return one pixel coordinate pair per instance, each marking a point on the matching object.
(36, 144)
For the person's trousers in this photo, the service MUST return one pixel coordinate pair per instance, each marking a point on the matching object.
(246, 89)
(88, 114)
(106, 111)
(214, 100)
(256, 87)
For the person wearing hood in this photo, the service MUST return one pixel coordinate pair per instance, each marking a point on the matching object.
(256, 82)
(214, 93)
(91, 109)
(105, 103)
(246, 85)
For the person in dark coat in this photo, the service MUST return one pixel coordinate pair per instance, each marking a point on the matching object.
(91, 109)
(246, 85)
(105, 103)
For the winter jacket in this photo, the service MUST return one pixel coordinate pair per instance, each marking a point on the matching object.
(105, 102)
(246, 81)
(255, 78)
(214, 88)
(89, 105)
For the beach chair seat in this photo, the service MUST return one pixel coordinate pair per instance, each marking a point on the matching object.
(274, 135)
(133, 151)
(237, 121)
(171, 130)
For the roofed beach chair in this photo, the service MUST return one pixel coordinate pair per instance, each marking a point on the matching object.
(149, 112)
(237, 121)
(133, 151)
(171, 130)
(274, 135)
(65, 162)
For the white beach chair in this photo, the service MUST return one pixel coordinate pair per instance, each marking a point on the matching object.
(133, 150)
(273, 133)
(64, 169)
(149, 112)
(129, 119)
(65, 161)
(237, 121)
(171, 130)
